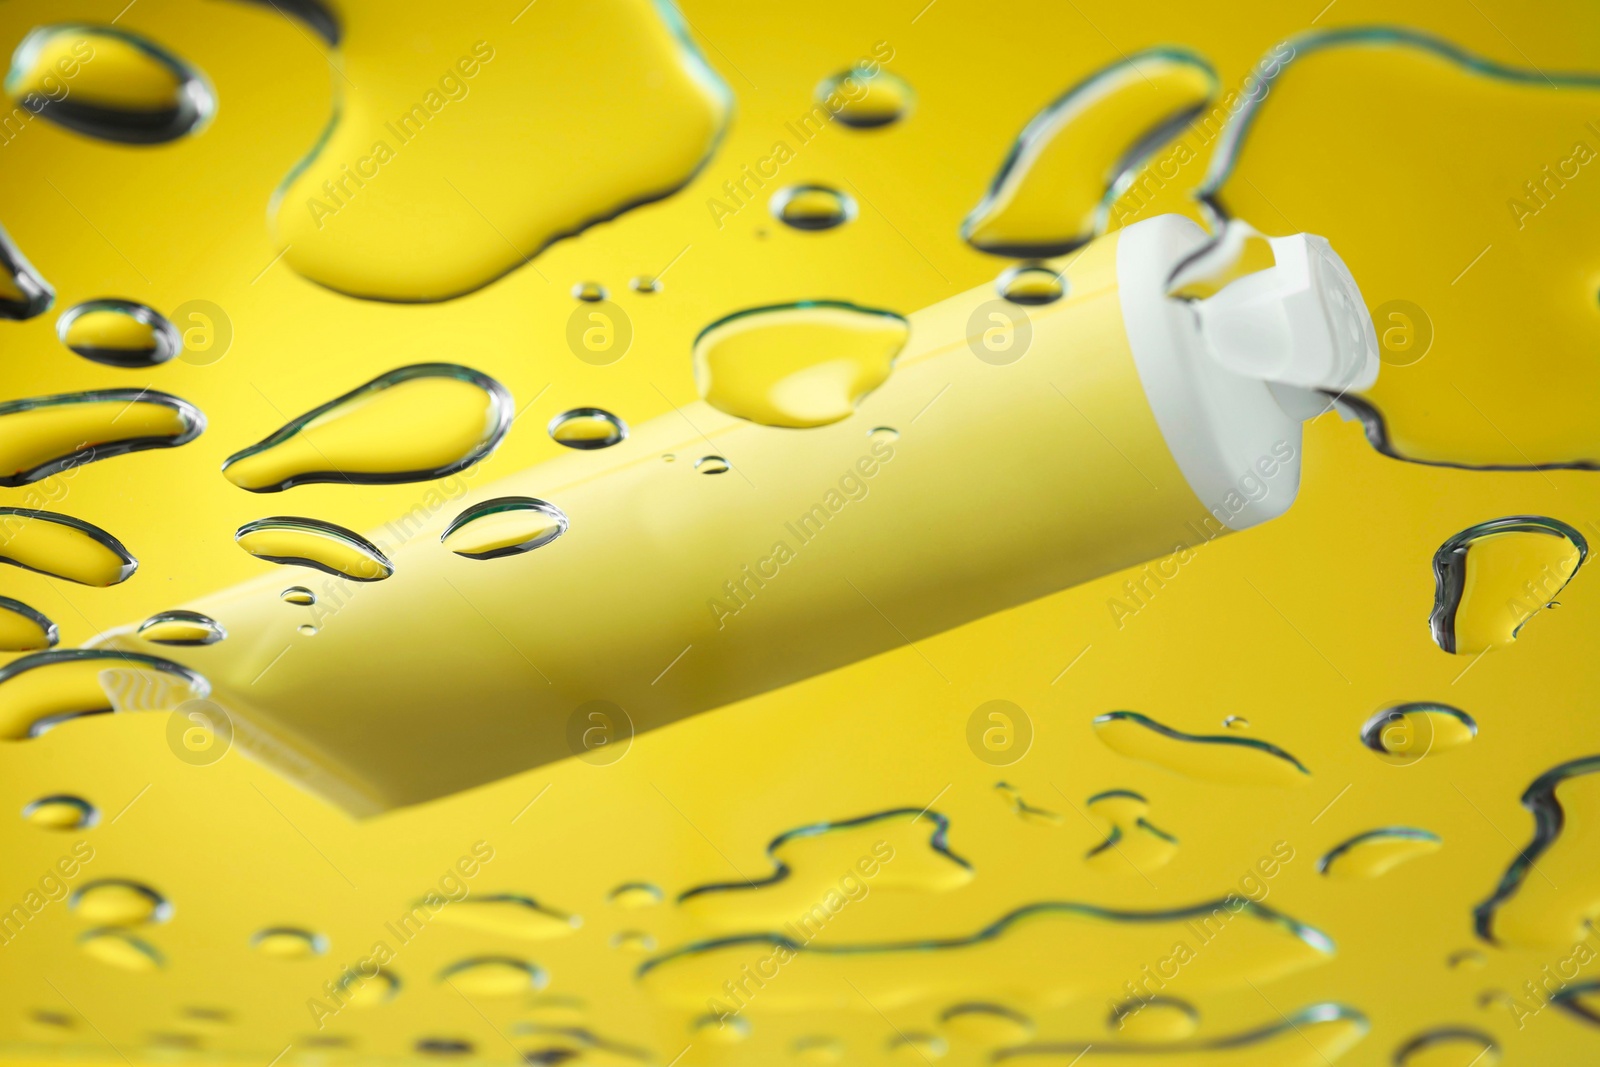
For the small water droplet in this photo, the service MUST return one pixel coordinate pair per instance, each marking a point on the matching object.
(797, 365)
(818, 1048)
(1404, 733)
(61, 811)
(812, 207)
(721, 1029)
(587, 429)
(118, 333)
(989, 1025)
(119, 902)
(360, 990)
(1031, 284)
(1157, 1019)
(133, 92)
(590, 292)
(711, 465)
(22, 629)
(23, 291)
(288, 943)
(413, 424)
(866, 100)
(917, 1047)
(302, 542)
(885, 434)
(443, 1046)
(635, 895)
(119, 948)
(509, 915)
(179, 627)
(306, 629)
(645, 283)
(1467, 959)
(298, 595)
(494, 976)
(504, 526)
(668, 457)
(46, 435)
(1236, 722)
(633, 941)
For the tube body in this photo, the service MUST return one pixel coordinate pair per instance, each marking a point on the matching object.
(676, 591)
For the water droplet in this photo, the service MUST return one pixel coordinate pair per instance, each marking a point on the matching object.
(45, 689)
(818, 1048)
(1376, 852)
(645, 283)
(989, 1025)
(711, 465)
(359, 990)
(412, 424)
(494, 976)
(917, 1047)
(504, 526)
(797, 365)
(118, 948)
(52, 1024)
(118, 333)
(635, 895)
(1023, 809)
(288, 943)
(180, 627)
(812, 207)
(1492, 578)
(23, 629)
(1054, 190)
(1031, 284)
(1467, 959)
(133, 92)
(302, 542)
(46, 435)
(306, 629)
(1132, 843)
(443, 1046)
(509, 915)
(587, 429)
(590, 292)
(119, 902)
(1207, 757)
(1236, 722)
(884, 434)
(61, 812)
(1449, 1047)
(633, 941)
(1157, 1019)
(63, 547)
(298, 595)
(721, 1029)
(866, 100)
(1404, 733)
(23, 291)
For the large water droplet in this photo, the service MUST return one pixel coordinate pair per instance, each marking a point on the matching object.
(302, 542)
(40, 691)
(45, 435)
(1376, 852)
(805, 364)
(22, 629)
(63, 547)
(1132, 842)
(23, 291)
(120, 949)
(587, 429)
(288, 943)
(504, 526)
(1405, 733)
(1031, 285)
(494, 976)
(509, 915)
(412, 424)
(1055, 187)
(180, 627)
(61, 812)
(812, 207)
(989, 1025)
(1208, 757)
(124, 88)
(1492, 578)
(119, 902)
(866, 100)
(118, 333)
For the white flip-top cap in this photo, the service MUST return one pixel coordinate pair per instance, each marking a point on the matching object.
(1300, 322)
